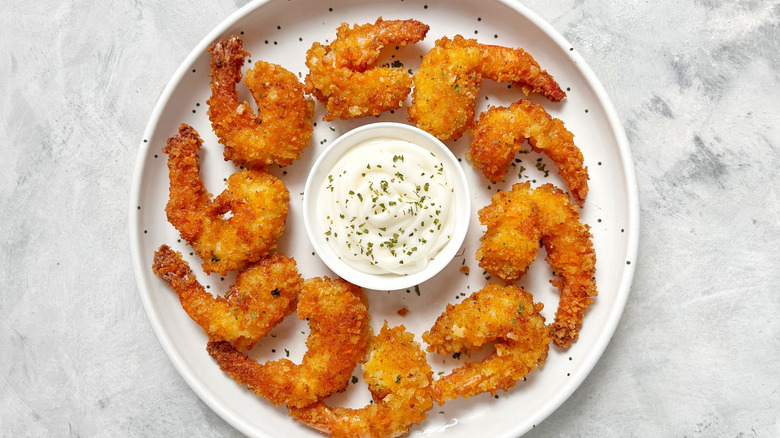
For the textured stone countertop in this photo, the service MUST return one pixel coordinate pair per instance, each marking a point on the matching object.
(695, 84)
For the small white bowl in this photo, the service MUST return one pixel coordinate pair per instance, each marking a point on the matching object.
(318, 178)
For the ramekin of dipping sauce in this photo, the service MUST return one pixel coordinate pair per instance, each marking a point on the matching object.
(386, 206)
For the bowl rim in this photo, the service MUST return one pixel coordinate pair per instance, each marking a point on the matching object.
(330, 156)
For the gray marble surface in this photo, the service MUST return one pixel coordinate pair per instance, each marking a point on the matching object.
(696, 85)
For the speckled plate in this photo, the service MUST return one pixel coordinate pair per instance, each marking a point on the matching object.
(281, 31)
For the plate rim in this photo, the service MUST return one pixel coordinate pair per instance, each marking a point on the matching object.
(632, 226)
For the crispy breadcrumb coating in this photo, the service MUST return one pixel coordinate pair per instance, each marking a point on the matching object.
(400, 381)
(502, 131)
(517, 222)
(447, 83)
(337, 312)
(282, 127)
(343, 75)
(257, 200)
(263, 294)
(505, 314)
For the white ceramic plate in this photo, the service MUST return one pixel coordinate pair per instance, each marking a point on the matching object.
(281, 31)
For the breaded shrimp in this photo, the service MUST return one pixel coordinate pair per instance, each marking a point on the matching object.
(282, 128)
(337, 312)
(501, 132)
(517, 222)
(263, 294)
(447, 83)
(506, 315)
(342, 74)
(400, 381)
(258, 201)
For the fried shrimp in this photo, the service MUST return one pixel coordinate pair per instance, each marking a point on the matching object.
(261, 297)
(282, 127)
(517, 222)
(342, 75)
(506, 315)
(501, 132)
(447, 83)
(337, 312)
(257, 200)
(400, 381)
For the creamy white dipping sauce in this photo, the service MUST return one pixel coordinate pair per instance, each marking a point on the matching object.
(387, 207)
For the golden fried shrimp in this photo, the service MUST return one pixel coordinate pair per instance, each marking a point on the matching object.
(337, 312)
(258, 201)
(400, 381)
(517, 222)
(282, 128)
(505, 314)
(263, 294)
(447, 83)
(501, 132)
(342, 74)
